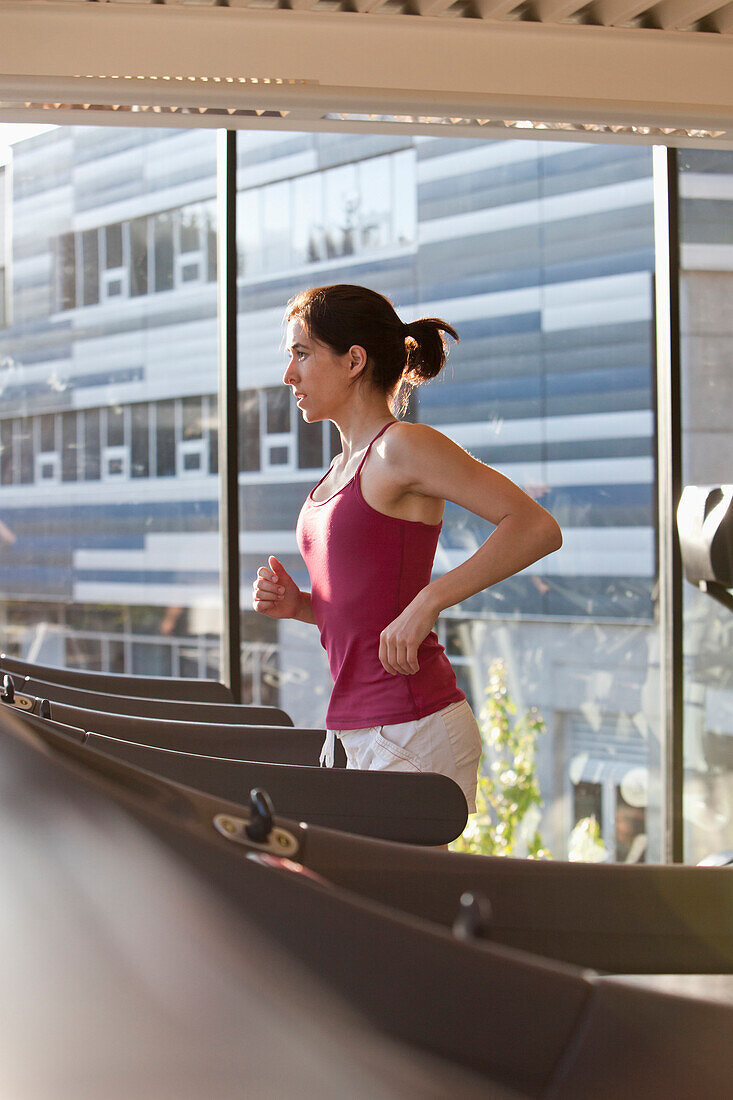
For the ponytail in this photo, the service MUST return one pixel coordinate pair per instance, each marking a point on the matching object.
(427, 349)
(399, 356)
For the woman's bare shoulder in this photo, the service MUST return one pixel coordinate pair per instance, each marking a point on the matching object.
(411, 451)
(405, 439)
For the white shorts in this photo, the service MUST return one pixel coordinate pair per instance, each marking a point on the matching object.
(447, 742)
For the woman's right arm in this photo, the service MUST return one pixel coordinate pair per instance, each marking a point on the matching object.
(276, 595)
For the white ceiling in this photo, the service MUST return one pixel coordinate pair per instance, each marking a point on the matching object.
(611, 70)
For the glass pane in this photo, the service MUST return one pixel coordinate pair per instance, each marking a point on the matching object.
(113, 246)
(276, 226)
(190, 230)
(138, 257)
(630, 830)
(375, 204)
(47, 432)
(541, 254)
(140, 449)
(24, 449)
(121, 574)
(163, 251)
(192, 422)
(249, 226)
(6, 452)
(310, 446)
(70, 447)
(115, 426)
(165, 438)
(342, 202)
(307, 238)
(211, 242)
(91, 455)
(706, 300)
(66, 277)
(249, 430)
(278, 456)
(278, 410)
(405, 198)
(90, 254)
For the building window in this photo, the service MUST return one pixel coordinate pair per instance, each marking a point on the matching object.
(249, 431)
(278, 442)
(91, 441)
(6, 452)
(69, 446)
(48, 458)
(23, 444)
(126, 259)
(140, 440)
(617, 800)
(89, 245)
(191, 246)
(139, 252)
(115, 265)
(66, 271)
(116, 454)
(163, 251)
(192, 445)
(350, 210)
(165, 439)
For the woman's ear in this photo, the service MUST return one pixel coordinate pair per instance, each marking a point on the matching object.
(357, 361)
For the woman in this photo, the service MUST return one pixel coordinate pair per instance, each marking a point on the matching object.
(369, 530)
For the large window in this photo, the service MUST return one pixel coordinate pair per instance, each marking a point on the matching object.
(109, 499)
(162, 251)
(352, 210)
(542, 256)
(540, 253)
(706, 292)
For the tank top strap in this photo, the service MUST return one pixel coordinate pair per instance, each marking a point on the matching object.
(366, 452)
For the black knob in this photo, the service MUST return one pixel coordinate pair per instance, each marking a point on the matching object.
(473, 920)
(8, 692)
(260, 815)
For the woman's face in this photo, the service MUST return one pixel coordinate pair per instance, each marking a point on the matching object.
(317, 375)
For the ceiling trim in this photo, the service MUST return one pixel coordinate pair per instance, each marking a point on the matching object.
(227, 66)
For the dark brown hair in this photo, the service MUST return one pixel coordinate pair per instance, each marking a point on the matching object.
(399, 356)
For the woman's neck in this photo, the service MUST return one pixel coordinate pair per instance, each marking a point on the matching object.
(358, 426)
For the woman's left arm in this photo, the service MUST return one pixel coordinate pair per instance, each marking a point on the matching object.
(426, 462)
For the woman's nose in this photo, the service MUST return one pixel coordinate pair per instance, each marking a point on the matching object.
(287, 377)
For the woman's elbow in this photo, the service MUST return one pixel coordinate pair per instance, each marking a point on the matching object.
(552, 535)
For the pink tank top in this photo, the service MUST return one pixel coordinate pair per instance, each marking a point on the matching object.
(365, 568)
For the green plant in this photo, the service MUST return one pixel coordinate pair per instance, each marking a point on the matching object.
(586, 843)
(508, 789)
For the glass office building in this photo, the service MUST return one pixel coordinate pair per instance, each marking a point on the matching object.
(542, 256)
